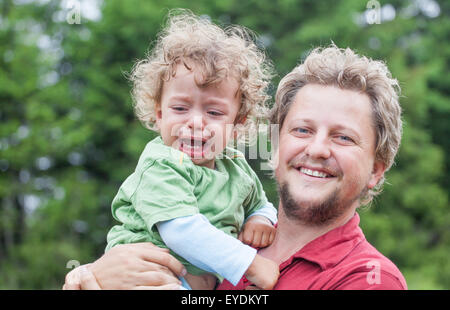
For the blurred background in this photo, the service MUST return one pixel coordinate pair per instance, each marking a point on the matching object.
(68, 136)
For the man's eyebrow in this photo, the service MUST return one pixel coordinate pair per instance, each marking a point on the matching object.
(344, 127)
(333, 127)
(303, 120)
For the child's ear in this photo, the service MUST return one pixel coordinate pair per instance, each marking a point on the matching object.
(377, 173)
(158, 115)
(241, 120)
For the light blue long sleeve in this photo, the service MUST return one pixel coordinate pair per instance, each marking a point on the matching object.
(203, 245)
(267, 211)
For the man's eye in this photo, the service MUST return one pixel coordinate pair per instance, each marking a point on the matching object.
(346, 139)
(301, 130)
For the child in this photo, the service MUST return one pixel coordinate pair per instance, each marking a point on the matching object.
(190, 192)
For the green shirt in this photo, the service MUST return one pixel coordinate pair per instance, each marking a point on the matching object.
(167, 184)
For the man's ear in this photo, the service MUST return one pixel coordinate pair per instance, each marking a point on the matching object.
(377, 173)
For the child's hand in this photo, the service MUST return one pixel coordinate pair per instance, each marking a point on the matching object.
(263, 273)
(258, 232)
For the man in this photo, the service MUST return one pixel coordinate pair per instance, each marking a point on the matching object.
(340, 129)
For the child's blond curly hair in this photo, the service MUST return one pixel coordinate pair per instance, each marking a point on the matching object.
(218, 53)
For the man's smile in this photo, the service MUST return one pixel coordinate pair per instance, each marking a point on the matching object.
(314, 173)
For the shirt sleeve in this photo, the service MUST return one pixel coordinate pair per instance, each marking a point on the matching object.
(257, 198)
(268, 211)
(165, 191)
(203, 245)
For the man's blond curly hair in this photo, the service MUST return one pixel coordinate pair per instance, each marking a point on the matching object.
(218, 54)
(345, 69)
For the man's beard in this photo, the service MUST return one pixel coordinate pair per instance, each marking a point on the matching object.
(314, 214)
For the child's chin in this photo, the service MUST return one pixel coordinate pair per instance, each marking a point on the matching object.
(203, 162)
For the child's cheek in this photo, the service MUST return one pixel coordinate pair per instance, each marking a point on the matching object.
(220, 135)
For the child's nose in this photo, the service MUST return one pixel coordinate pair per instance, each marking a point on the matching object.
(196, 122)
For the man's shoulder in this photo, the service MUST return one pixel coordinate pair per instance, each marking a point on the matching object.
(366, 268)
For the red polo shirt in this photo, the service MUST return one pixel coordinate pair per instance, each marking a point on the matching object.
(341, 259)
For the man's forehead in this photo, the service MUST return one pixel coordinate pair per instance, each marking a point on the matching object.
(314, 92)
(337, 109)
(325, 100)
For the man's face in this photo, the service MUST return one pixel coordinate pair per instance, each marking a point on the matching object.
(197, 120)
(326, 154)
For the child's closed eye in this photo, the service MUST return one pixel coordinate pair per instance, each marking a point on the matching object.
(215, 113)
(179, 109)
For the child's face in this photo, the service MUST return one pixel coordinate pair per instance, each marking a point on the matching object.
(197, 120)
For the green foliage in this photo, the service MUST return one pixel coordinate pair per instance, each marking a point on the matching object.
(68, 137)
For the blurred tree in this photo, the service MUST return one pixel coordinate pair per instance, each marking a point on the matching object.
(68, 137)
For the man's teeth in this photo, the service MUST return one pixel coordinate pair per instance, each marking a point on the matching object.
(313, 173)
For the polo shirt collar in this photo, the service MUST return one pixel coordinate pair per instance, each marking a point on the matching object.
(331, 248)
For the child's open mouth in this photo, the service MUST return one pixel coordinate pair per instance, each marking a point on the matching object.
(194, 147)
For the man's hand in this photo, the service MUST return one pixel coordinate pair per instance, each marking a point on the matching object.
(129, 266)
(258, 232)
(81, 278)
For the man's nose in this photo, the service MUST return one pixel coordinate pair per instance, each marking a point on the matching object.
(318, 147)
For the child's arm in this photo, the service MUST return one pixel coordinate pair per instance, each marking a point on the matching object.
(199, 242)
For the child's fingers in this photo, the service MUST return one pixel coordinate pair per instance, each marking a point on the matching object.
(265, 239)
(268, 235)
(241, 236)
(247, 237)
(272, 236)
(257, 235)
